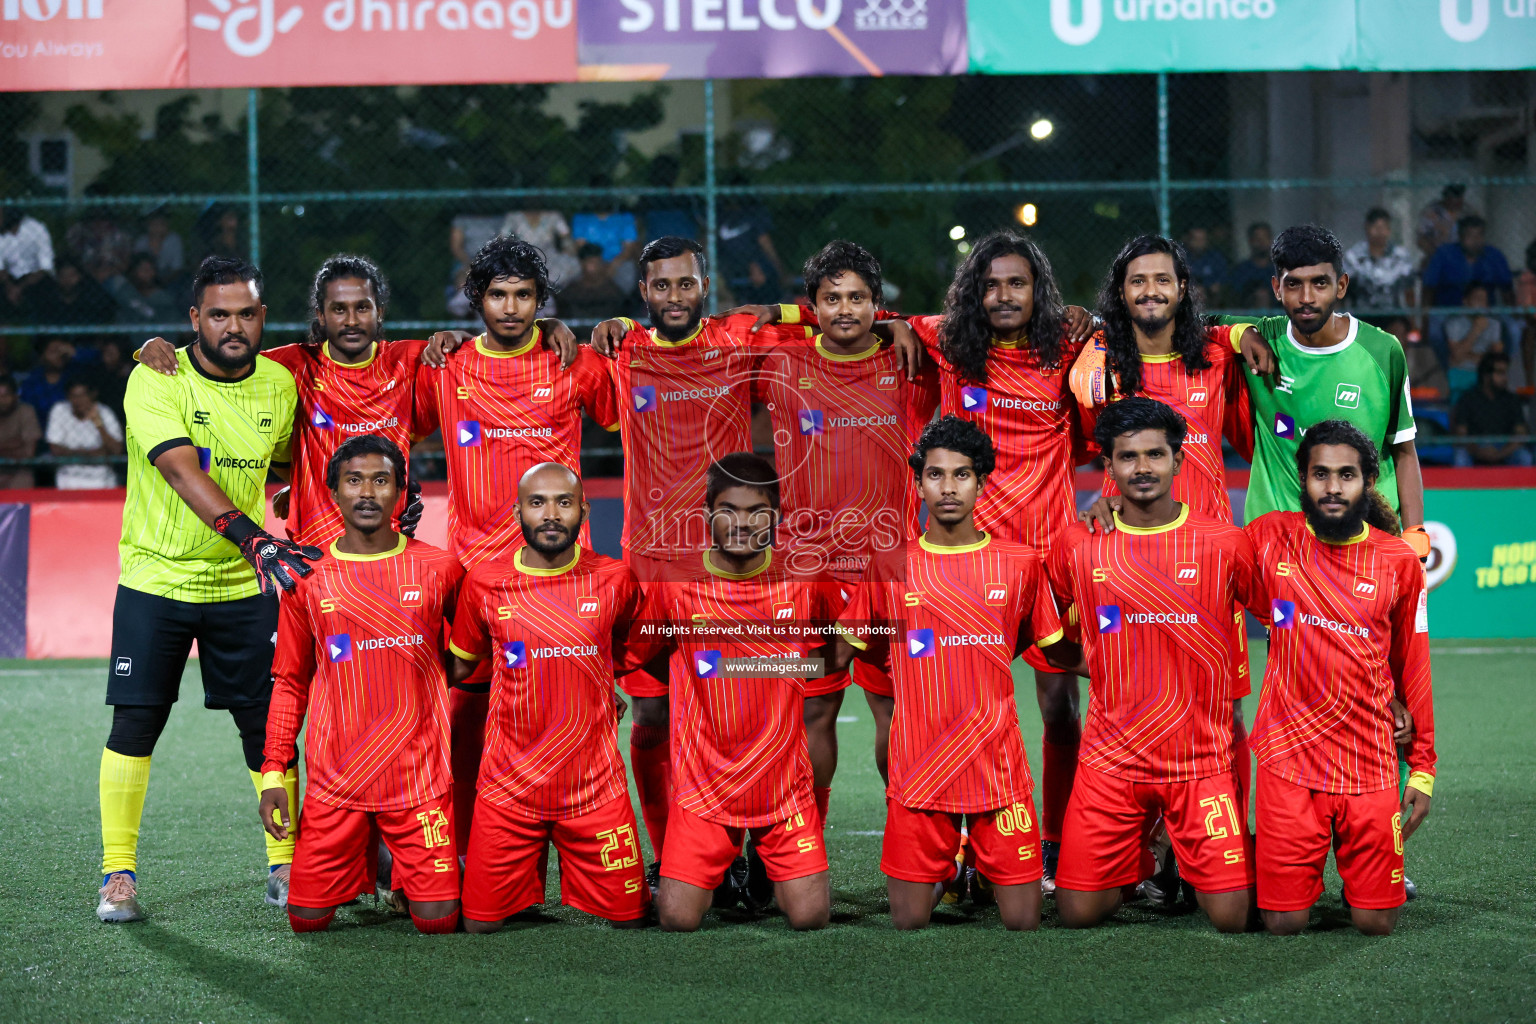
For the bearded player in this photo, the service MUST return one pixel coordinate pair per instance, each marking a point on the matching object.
(963, 605)
(1156, 599)
(553, 618)
(1349, 630)
(358, 654)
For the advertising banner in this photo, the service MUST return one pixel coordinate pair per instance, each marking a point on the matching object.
(1066, 36)
(92, 44)
(639, 39)
(1446, 35)
(379, 42)
(1483, 566)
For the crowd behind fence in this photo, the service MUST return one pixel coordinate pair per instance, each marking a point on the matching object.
(110, 200)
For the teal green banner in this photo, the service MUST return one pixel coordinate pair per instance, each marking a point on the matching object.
(1483, 565)
(1446, 35)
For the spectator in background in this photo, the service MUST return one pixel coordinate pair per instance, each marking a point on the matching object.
(101, 246)
(1525, 295)
(593, 295)
(548, 230)
(1249, 285)
(19, 434)
(1425, 374)
(1437, 221)
(163, 244)
(617, 235)
(749, 261)
(82, 426)
(80, 299)
(1380, 271)
(109, 375)
(1470, 336)
(44, 387)
(140, 299)
(26, 264)
(218, 232)
(1490, 408)
(1207, 266)
(1454, 266)
(468, 233)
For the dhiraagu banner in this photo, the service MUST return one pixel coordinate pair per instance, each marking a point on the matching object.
(1063, 36)
(1446, 35)
(1483, 566)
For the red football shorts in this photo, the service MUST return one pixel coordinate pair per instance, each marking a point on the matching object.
(920, 846)
(1108, 819)
(1242, 681)
(699, 851)
(833, 683)
(332, 861)
(871, 678)
(601, 872)
(1295, 827)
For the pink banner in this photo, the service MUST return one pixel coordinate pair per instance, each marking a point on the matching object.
(93, 44)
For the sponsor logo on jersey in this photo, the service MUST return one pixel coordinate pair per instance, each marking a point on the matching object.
(888, 420)
(1186, 574)
(231, 462)
(468, 433)
(1197, 396)
(1347, 396)
(711, 353)
(321, 420)
(706, 664)
(1282, 614)
(1365, 588)
(971, 639)
(783, 611)
(562, 651)
(378, 643)
(886, 381)
(1161, 618)
(973, 399)
(410, 595)
(1348, 629)
(587, 607)
(1286, 383)
(199, 418)
(264, 422)
(543, 391)
(338, 647)
(920, 643)
(123, 666)
(1109, 618)
(205, 459)
(1284, 426)
(516, 653)
(369, 426)
(995, 593)
(686, 394)
(644, 398)
(812, 422)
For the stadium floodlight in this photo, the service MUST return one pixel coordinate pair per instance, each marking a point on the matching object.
(1041, 129)
(957, 232)
(1027, 213)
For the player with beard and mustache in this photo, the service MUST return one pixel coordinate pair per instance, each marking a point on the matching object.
(553, 619)
(197, 564)
(1345, 602)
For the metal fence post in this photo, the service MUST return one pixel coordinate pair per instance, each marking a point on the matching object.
(709, 188)
(1164, 218)
(252, 179)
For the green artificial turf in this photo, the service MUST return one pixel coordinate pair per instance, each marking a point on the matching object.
(212, 951)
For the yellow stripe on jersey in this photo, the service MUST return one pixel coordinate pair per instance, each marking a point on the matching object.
(239, 428)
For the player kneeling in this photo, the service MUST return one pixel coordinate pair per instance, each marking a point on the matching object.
(1348, 631)
(552, 616)
(358, 647)
(961, 605)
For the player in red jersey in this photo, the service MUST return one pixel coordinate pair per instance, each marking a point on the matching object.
(505, 404)
(1156, 598)
(1349, 628)
(552, 619)
(960, 605)
(739, 756)
(358, 650)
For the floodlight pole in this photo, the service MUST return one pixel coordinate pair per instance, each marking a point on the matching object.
(709, 188)
(252, 180)
(1164, 218)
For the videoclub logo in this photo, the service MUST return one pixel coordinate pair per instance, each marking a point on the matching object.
(920, 643)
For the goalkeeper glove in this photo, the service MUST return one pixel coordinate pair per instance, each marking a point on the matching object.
(276, 561)
(1418, 539)
(414, 507)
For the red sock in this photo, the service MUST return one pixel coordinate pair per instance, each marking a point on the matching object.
(1242, 766)
(823, 795)
(1059, 748)
(436, 925)
(466, 739)
(301, 925)
(651, 757)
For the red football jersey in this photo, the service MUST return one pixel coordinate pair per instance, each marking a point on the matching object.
(1206, 399)
(503, 413)
(739, 754)
(554, 637)
(960, 616)
(1348, 628)
(338, 401)
(1157, 607)
(1027, 410)
(843, 427)
(358, 647)
(682, 405)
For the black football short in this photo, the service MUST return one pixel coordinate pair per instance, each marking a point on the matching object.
(152, 637)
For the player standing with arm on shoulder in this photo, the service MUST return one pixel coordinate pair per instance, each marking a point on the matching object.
(1156, 598)
(196, 563)
(963, 605)
(358, 652)
(1349, 630)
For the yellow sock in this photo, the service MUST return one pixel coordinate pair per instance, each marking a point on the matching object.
(280, 851)
(124, 781)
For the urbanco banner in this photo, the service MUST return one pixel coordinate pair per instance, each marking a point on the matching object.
(1446, 35)
(640, 39)
(92, 44)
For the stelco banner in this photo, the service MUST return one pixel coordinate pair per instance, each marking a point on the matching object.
(631, 39)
